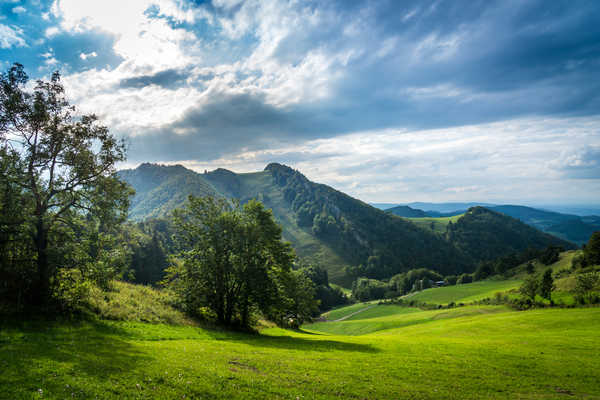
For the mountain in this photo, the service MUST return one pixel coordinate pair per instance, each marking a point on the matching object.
(482, 234)
(570, 227)
(407, 212)
(160, 189)
(384, 206)
(567, 226)
(325, 226)
(447, 208)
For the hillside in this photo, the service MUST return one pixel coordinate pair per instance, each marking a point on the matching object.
(159, 189)
(325, 226)
(483, 234)
(407, 212)
(570, 227)
(463, 353)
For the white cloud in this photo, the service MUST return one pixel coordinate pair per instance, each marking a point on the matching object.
(11, 36)
(52, 31)
(19, 10)
(140, 39)
(85, 56)
(499, 162)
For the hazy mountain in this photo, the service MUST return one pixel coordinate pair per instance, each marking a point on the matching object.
(384, 206)
(456, 208)
(328, 227)
(571, 227)
(407, 212)
(567, 226)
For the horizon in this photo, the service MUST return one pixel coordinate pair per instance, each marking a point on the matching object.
(388, 102)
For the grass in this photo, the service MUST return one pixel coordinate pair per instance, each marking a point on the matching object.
(410, 316)
(467, 353)
(129, 302)
(464, 293)
(345, 311)
(382, 310)
(437, 225)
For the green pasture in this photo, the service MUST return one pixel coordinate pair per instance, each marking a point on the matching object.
(466, 353)
(437, 225)
(464, 293)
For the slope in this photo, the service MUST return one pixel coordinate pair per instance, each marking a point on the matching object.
(407, 212)
(483, 234)
(325, 226)
(159, 189)
(540, 354)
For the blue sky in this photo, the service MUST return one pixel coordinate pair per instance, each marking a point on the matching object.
(389, 101)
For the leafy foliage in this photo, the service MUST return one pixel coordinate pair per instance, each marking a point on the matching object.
(234, 262)
(60, 198)
(592, 249)
(546, 285)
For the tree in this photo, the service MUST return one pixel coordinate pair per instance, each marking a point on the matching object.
(550, 255)
(233, 259)
(464, 278)
(546, 285)
(585, 285)
(592, 249)
(530, 268)
(529, 288)
(64, 167)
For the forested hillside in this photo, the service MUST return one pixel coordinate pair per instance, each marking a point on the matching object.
(330, 229)
(483, 234)
(570, 227)
(160, 189)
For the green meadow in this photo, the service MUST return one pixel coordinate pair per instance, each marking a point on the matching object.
(434, 224)
(463, 353)
(465, 293)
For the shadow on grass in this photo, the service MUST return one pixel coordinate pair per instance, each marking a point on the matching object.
(293, 342)
(47, 354)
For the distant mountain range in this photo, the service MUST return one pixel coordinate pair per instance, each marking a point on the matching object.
(334, 230)
(570, 227)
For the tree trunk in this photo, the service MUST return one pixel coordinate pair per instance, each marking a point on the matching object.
(41, 243)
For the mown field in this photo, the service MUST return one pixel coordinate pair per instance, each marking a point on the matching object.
(464, 293)
(464, 353)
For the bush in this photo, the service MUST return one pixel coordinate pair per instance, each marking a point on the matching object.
(465, 278)
(72, 290)
(451, 280)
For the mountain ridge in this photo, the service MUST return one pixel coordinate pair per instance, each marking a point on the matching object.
(326, 227)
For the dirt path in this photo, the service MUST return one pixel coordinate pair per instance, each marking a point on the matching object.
(353, 314)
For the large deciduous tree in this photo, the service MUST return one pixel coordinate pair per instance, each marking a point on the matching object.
(59, 167)
(235, 262)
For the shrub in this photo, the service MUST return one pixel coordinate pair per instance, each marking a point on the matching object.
(72, 290)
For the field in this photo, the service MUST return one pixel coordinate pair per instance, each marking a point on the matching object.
(437, 225)
(465, 353)
(464, 293)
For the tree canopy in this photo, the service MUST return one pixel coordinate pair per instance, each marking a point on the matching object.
(234, 262)
(57, 176)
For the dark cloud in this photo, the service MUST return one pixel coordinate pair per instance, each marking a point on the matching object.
(170, 78)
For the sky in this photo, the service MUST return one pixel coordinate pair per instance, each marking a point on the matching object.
(388, 101)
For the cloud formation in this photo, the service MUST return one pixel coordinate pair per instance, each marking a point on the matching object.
(212, 81)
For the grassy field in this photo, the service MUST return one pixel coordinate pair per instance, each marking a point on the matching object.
(464, 293)
(345, 311)
(467, 353)
(437, 225)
